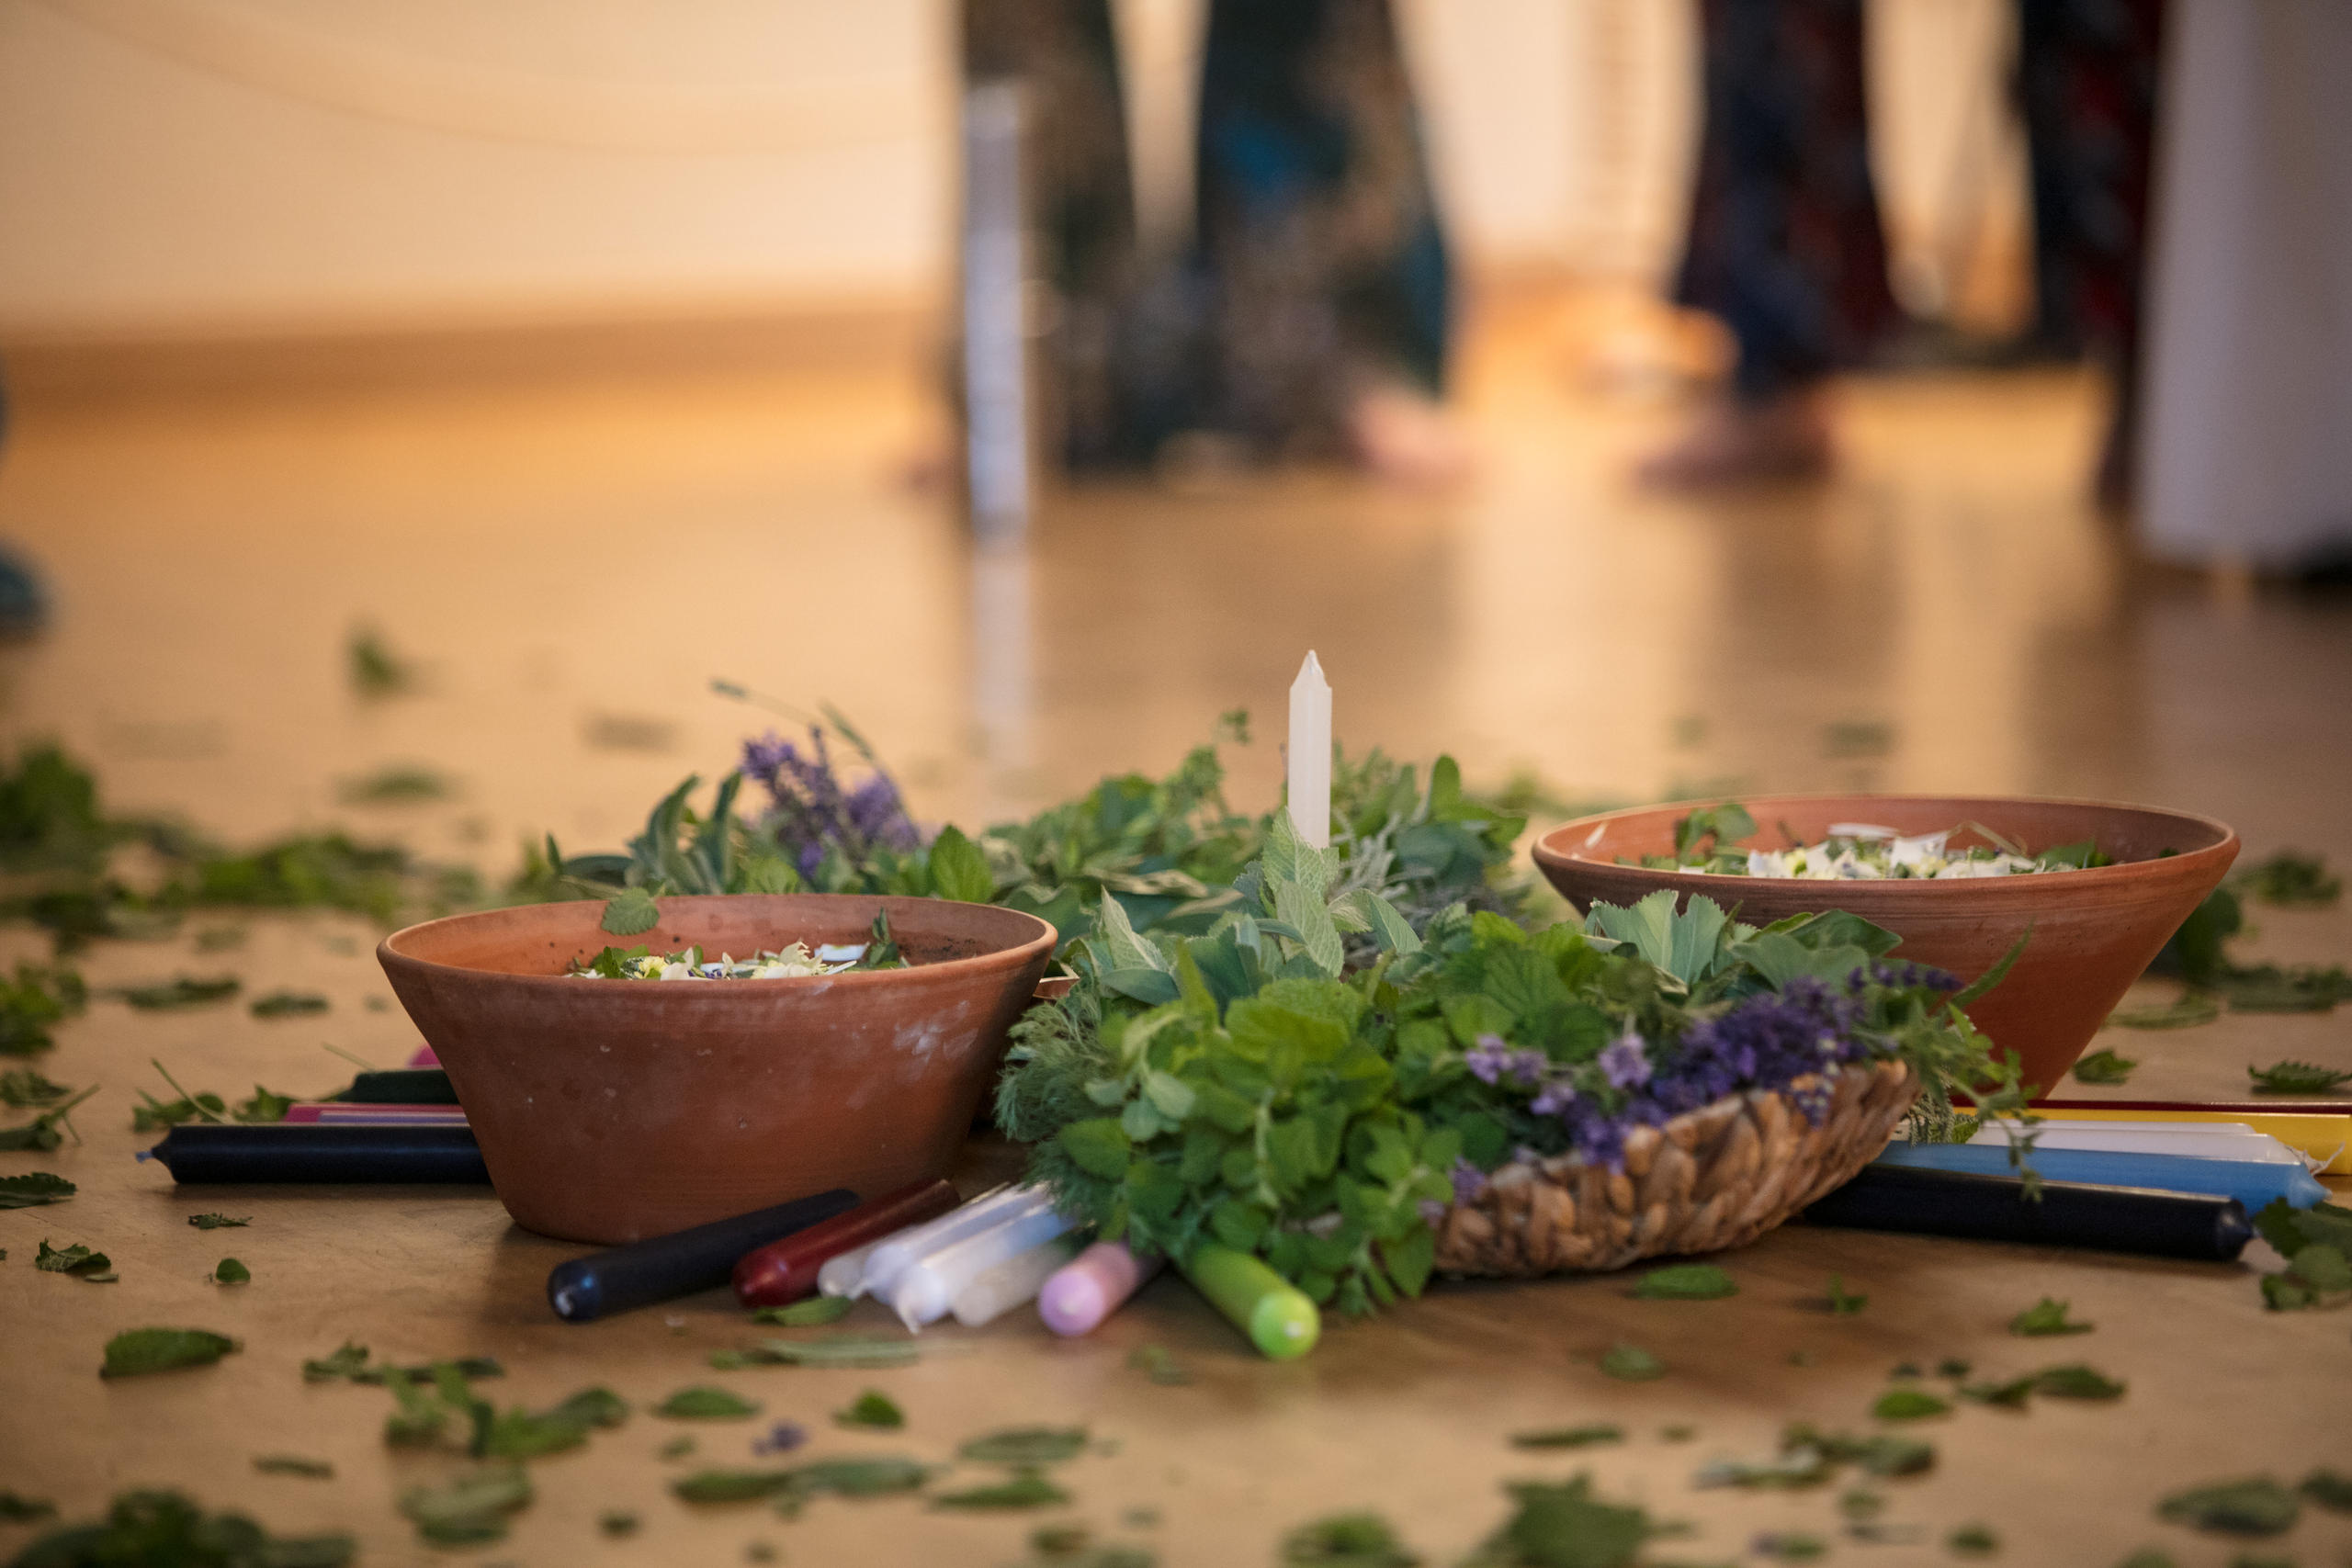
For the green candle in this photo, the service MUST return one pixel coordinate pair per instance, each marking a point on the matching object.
(1274, 1313)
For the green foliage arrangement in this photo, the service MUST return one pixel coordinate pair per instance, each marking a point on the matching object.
(1258, 1086)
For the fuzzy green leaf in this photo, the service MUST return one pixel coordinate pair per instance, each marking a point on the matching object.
(32, 1189)
(958, 869)
(632, 912)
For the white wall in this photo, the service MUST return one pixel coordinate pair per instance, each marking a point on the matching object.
(169, 163)
(173, 166)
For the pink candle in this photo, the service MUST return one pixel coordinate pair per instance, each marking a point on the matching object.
(1089, 1287)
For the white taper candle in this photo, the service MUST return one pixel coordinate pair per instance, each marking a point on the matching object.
(1310, 755)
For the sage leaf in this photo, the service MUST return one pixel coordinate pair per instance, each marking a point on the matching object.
(1027, 1489)
(216, 1221)
(470, 1510)
(816, 1311)
(703, 1403)
(1686, 1282)
(1025, 1446)
(287, 1004)
(1568, 1436)
(294, 1464)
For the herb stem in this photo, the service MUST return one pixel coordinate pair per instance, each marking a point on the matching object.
(193, 1103)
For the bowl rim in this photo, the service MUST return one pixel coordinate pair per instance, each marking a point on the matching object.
(1012, 957)
(2225, 845)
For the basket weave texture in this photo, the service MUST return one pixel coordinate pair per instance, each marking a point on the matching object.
(1714, 1177)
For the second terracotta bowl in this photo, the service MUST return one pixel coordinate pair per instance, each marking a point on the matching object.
(2094, 932)
(609, 1111)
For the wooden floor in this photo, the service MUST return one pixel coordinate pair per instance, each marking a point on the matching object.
(572, 562)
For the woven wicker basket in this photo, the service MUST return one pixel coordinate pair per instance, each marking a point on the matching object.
(1714, 1178)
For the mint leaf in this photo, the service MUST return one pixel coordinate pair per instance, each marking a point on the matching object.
(2046, 1316)
(294, 1464)
(632, 912)
(2076, 1380)
(1841, 1304)
(228, 1271)
(958, 869)
(1099, 1147)
(137, 1351)
(1345, 1540)
(2104, 1068)
(1156, 1362)
(77, 1260)
(872, 1409)
(470, 1510)
(1629, 1363)
(2256, 1505)
(1909, 1405)
(216, 1221)
(2297, 1078)
(32, 1189)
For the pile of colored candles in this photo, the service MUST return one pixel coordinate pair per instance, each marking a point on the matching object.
(926, 1256)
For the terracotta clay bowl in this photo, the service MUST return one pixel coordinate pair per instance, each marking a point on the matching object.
(2094, 932)
(609, 1111)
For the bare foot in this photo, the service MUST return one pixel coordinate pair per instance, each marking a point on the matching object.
(1735, 443)
(1407, 438)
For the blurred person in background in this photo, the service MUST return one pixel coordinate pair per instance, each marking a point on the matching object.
(1310, 314)
(1785, 246)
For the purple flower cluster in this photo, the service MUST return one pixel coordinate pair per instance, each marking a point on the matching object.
(811, 812)
(1910, 977)
(1768, 1040)
(1492, 1060)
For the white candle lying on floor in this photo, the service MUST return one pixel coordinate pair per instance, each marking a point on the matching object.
(1309, 757)
(927, 1287)
(1011, 1282)
(843, 1274)
(892, 1253)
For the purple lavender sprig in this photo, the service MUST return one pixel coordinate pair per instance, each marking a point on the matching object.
(811, 813)
(1767, 1041)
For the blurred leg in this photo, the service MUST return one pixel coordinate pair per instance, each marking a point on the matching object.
(1062, 53)
(1784, 243)
(1323, 263)
(2086, 88)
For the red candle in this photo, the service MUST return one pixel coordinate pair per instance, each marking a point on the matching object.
(786, 1271)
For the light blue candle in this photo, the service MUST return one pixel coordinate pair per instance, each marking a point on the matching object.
(2252, 1183)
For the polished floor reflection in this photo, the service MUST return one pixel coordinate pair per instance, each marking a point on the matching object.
(573, 563)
